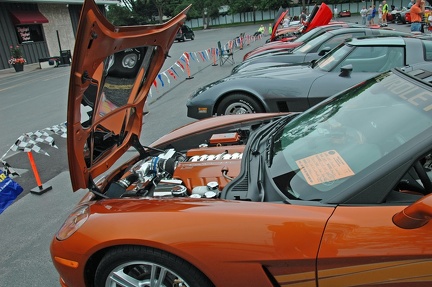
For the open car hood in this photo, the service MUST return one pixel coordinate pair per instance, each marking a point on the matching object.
(321, 15)
(278, 19)
(112, 71)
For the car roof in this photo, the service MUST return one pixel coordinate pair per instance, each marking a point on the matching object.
(387, 41)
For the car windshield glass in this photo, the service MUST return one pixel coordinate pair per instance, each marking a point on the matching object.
(372, 59)
(324, 150)
(306, 47)
(331, 59)
(310, 35)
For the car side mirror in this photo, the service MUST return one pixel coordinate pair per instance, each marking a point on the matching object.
(324, 51)
(416, 215)
(346, 71)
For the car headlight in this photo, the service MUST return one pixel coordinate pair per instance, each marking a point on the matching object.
(75, 220)
(195, 93)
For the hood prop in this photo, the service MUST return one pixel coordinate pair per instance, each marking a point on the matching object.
(137, 145)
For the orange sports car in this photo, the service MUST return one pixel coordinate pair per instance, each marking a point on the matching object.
(337, 196)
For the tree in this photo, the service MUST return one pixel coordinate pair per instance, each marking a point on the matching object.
(161, 5)
(204, 9)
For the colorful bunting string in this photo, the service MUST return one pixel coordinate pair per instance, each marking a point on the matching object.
(164, 78)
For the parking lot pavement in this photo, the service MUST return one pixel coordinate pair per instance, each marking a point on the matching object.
(28, 68)
(29, 224)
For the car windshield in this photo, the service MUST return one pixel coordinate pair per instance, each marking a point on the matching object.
(331, 59)
(364, 58)
(328, 148)
(306, 47)
(310, 35)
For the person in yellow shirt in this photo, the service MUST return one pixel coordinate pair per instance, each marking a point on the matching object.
(385, 10)
(260, 30)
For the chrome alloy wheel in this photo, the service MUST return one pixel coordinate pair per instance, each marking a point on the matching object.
(143, 274)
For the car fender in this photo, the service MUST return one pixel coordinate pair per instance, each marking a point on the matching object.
(190, 225)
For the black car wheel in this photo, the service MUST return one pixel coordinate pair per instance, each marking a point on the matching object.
(192, 37)
(143, 266)
(236, 104)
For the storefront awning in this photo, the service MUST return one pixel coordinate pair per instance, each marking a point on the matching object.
(28, 17)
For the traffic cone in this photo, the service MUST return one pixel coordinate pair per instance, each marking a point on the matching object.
(213, 51)
(40, 189)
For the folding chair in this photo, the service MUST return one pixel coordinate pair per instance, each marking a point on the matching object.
(225, 55)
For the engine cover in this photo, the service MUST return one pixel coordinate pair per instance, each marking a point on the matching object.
(210, 164)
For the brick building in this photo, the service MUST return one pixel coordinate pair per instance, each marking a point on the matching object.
(44, 28)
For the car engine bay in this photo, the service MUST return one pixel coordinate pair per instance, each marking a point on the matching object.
(200, 172)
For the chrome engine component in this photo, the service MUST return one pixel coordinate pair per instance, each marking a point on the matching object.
(179, 191)
(174, 174)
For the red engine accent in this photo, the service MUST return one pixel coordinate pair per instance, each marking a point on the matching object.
(224, 138)
(202, 171)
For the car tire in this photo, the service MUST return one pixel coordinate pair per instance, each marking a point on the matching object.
(238, 104)
(193, 37)
(183, 38)
(136, 264)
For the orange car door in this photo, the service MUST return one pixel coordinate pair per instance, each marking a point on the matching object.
(362, 246)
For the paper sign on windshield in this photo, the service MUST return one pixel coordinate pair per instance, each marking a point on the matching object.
(324, 167)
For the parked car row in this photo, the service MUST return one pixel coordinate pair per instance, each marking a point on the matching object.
(294, 80)
(338, 195)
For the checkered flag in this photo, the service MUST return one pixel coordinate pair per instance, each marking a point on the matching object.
(26, 143)
(8, 170)
(60, 129)
(41, 137)
(29, 142)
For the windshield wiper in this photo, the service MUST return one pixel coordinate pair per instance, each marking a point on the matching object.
(270, 140)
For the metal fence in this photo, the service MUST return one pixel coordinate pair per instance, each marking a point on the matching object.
(293, 11)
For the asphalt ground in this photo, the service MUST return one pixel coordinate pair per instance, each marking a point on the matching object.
(28, 225)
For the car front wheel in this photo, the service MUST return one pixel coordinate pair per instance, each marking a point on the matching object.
(239, 104)
(143, 266)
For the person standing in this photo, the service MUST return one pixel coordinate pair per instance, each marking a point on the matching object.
(417, 11)
(270, 29)
(385, 10)
(285, 22)
(380, 15)
(335, 11)
(303, 17)
(373, 14)
(369, 15)
(363, 13)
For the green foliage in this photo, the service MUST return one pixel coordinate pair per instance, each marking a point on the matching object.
(136, 12)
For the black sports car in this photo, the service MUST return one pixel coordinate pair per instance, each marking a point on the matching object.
(312, 49)
(285, 88)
